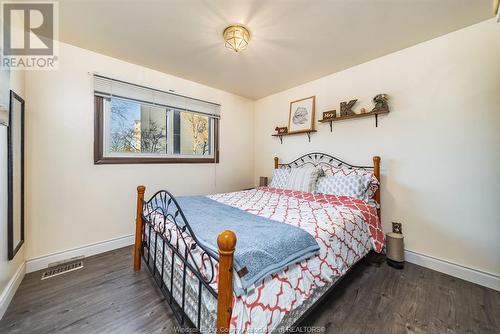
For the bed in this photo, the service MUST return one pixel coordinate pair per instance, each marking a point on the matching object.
(204, 286)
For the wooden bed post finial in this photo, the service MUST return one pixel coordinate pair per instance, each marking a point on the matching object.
(276, 164)
(226, 241)
(138, 228)
(376, 165)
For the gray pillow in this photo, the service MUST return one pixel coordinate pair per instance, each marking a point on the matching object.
(303, 179)
(341, 185)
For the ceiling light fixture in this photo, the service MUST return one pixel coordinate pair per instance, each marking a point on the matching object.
(236, 37)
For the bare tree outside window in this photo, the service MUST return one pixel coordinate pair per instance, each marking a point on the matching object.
(124, 118)
(124, 140)
(137, 128)
(198, 137)
(153, 138)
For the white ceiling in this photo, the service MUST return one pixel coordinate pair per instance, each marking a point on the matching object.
(292, 42)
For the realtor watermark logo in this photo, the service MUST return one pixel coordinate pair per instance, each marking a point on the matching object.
(30, 35)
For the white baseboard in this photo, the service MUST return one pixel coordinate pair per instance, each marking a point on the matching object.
(11, 288)
(42, 262)
(472, 275)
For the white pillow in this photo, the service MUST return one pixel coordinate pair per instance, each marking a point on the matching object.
(303, 179)
(341, 185)
(280, 178)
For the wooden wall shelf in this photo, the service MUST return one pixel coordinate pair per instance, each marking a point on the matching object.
(307, 132)
(340, 118)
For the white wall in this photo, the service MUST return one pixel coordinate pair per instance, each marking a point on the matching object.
(72, 202)
(440, 145)
(8, 269)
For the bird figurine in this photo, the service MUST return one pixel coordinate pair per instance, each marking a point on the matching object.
(380, 101)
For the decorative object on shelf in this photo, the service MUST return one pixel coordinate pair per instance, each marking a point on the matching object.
(15, 175)
(346, 112)
(330, 114)
(236, 37)
(301, 115)
(380, 103)
(281, 130)
(263, 181)
(346, 108)
(395, 249)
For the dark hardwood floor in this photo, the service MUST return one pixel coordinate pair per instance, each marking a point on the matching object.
(108, 297)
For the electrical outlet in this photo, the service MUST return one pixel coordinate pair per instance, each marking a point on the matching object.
(397, 227)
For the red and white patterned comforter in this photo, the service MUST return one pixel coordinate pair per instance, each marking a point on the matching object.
(345, 229)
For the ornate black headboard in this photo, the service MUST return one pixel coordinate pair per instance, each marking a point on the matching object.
(319, 159)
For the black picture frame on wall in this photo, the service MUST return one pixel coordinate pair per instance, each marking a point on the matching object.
(15, 175)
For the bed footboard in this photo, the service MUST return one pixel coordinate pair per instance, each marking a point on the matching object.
(226, 243)
(138, 228)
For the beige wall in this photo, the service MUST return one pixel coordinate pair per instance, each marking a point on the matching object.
(440, 145)
(8, 268)
(72, 202)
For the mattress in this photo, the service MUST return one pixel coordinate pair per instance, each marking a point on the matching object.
(345, 228)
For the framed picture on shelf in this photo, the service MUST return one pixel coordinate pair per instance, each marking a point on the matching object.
(301, 116)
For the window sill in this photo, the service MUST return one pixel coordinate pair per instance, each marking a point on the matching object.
(170, 160)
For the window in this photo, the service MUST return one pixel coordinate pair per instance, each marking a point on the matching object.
(134, 124)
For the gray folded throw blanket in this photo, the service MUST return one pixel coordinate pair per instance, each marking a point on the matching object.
(264, 246)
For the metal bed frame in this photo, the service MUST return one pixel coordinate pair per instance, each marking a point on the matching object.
(162, 206)
(165, 204)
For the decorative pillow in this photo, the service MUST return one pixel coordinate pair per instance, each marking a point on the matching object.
(374, 184)
(353, 186)
(280, 178)
(303, 179)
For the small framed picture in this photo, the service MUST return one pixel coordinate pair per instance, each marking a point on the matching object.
(281, 130)
(301, 117)
(329, 114)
